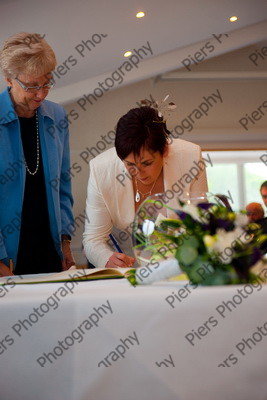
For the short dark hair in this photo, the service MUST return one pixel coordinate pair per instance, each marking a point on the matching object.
(263, 185)
(140, 127)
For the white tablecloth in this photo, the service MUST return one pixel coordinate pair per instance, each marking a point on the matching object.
(173, 352)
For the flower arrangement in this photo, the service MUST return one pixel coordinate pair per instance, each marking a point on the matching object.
(212, 244)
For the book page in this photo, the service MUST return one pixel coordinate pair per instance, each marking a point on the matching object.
(69, 275)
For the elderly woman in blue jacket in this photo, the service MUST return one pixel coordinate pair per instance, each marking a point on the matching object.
(35, 189)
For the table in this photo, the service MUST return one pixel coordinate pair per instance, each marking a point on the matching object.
(107, 340)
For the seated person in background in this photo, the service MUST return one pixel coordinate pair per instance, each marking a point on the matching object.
(263, 192)
(255, 212)
(143, 162)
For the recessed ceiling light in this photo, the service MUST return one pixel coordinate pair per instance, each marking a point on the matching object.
(127, 54)
(233, 18)
(140, 14)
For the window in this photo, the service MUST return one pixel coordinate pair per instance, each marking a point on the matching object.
(238, 175)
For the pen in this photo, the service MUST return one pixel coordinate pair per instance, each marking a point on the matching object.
(114, 241)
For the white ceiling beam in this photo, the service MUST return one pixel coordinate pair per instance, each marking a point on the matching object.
(155, 66)
(213, 75)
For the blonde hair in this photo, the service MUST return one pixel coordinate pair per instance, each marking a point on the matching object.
(26, 53)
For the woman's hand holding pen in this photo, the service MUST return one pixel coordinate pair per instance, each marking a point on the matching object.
(120, 260)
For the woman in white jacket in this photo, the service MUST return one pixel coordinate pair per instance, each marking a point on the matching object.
(144, 162)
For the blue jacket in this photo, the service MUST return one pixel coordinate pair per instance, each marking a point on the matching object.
(54, 140)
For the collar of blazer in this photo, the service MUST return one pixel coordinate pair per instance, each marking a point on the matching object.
(171, 173)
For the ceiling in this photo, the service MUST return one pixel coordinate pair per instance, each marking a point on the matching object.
(173, 29)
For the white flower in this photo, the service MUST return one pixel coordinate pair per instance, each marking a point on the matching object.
(225, 243)
(241, 220)
(148, 227)
(194, 212)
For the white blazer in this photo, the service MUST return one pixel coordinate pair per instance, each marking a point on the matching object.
(110, 197)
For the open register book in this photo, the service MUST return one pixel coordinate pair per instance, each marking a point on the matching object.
(69, 275)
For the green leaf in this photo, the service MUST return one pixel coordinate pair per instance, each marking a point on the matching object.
(192, 242)
(130, 275)
(186, 254)
(199, 271)
(220, 277)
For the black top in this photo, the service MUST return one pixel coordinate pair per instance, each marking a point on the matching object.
(37, 253)
(263, 224)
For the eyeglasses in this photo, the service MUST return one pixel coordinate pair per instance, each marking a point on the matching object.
(33, 89)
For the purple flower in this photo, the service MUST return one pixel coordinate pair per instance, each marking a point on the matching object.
(205, 206)
(181, 214)
(256, 255)
(225, 224)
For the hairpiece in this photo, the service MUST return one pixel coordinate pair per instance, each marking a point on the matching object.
(163, 109)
